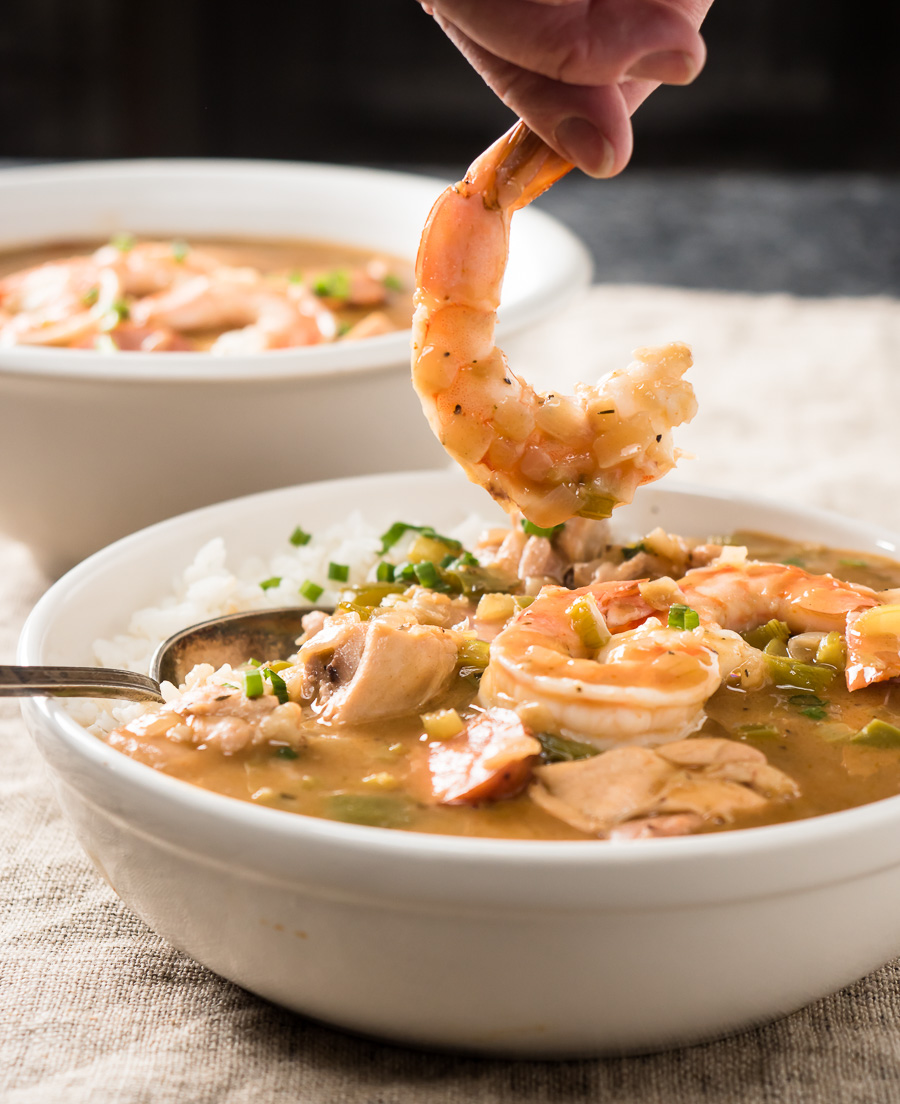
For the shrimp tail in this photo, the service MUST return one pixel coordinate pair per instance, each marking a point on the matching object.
(514, 171)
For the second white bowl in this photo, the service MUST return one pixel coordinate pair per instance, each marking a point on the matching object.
(94, 446)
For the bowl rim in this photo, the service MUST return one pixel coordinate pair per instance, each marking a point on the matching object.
(480, 851)
(374, 354)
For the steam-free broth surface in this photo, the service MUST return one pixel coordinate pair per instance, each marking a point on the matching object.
(378, 773)
(132, 293)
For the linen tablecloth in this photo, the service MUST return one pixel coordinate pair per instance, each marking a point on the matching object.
(798, 400)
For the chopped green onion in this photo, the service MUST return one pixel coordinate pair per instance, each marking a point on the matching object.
(253, 663)
(793, 561)
(806, 700)
(442, 724)
(268, 584)
(180, 250)
(853, 563)
(523, 601)
(278, 685)
(538, 531)
(631, 550)
(763, 634)
(392, 282)
(123, 242)
(296, 277)
(832, 651)
(333, 285)
(426, 574)
(343, 328)
(253, 684)
(287, 753)
(390, 537)
(339, 572)
(877, 734)
(810, 706)
(801, 676)
(683, 617)
(474, 653)
(91, 296)
(384, 573)
(118, 312)
(311, 591)
(279, 665)
(299, 537)
(105, 344)
(557, 749)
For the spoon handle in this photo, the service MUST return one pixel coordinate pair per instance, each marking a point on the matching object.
(77, 682)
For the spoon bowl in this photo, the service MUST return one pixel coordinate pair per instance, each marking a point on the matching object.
(232, 639)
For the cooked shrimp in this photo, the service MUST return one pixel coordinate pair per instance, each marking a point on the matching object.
(57, 303)
(269, 318)
(646, 684)
(873, 643)
(740, 596)
(148, 267)
(551, 456)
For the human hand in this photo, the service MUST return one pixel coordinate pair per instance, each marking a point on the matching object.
(575, 70)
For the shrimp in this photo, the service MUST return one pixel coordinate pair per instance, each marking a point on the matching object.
(57, 303)
(268, 317)
(740, 596)
(550, 456)
(647, 684)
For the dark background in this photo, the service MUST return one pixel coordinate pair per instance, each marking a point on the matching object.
(790, 84)
(775, 171)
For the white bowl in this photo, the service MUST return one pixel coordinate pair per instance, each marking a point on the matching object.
(94, 446)
(494, 946)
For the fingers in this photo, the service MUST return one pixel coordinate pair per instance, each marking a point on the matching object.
(589, 126)
(590, 42)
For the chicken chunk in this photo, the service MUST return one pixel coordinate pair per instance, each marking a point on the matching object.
(697, 780)
(358, 671)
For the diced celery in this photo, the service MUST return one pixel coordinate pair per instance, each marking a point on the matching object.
(474, 653)
(588, 622)
(877, 734)
(375, 810)
(832, 651)
(432, 548)
(762, 634)
(758, 732)
(597, 506)
(803, 676)
(373, 594)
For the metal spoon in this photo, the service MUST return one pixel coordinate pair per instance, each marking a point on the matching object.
(233, 639)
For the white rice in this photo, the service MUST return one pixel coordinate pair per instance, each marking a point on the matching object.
(210, 586)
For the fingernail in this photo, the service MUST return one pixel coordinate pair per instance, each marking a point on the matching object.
(668, 67)
(579, 141)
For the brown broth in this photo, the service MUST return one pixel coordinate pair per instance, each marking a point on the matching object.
(382, 763)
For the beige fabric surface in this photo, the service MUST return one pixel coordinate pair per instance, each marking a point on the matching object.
(798, 400)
